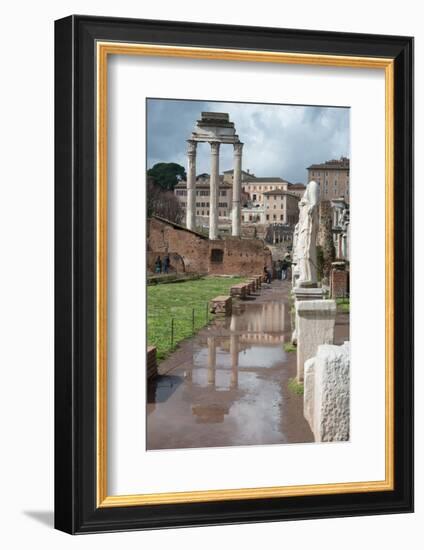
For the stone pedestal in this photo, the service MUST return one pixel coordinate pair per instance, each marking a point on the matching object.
(327, 393)
(315, 321)
(304, 294)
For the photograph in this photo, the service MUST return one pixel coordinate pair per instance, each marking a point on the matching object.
(248, 263)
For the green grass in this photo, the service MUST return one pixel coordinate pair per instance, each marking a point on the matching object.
(295, 386)
(177, 301)
(343, 304)
(289, 347)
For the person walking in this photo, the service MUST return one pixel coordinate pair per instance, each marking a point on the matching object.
(158, 265)
(284, 267)
(166, 264)
(279, 268)
(267, 274)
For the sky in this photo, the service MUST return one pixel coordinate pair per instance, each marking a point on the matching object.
(279, 140)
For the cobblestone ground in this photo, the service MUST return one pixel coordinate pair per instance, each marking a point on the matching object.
(229, 384)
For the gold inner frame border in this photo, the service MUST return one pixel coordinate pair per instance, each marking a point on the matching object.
(103, 50)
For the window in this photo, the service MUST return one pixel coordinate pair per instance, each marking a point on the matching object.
(267, 216)
(217, 255)
(274, 217)
(281, 217)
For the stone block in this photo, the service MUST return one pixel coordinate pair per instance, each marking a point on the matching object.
(315, 321)
(239, 290)
(327, 393)
(152, 364)
(221, 304)
(252, 283)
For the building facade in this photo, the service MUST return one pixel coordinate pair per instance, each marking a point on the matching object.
(280, 206)
(203, 198)
(263, 200)
(332, 177)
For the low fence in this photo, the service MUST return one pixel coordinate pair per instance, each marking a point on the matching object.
(166, 327)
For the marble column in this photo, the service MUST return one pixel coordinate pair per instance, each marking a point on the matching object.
(214, 191)
(236, 211)
(191, 185)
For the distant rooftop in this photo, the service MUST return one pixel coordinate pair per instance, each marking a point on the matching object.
(267, 180)
(277, 192)
(334, 164)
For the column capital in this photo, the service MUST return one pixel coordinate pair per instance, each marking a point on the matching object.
(215, 147)
(238, 148)
(191, 146)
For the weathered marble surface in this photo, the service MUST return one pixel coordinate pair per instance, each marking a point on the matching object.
(327, 393)
(315, 322)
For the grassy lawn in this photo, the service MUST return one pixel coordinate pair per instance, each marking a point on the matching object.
(177, 301)
(343, 304)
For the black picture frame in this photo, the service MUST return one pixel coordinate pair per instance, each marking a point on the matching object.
(76, 510)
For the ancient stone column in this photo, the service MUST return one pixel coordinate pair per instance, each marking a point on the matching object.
(214, 191)
(191, 185)
(236, 211)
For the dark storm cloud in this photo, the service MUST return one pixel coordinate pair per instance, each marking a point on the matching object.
(280, 140)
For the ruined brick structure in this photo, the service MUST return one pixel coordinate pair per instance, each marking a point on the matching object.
(192, 252)
(339, 281)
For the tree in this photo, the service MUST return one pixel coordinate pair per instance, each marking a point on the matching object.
(162, 203)
(167, 174)
(326, 252)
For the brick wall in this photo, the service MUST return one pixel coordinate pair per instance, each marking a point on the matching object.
(191, 252)
(339, 283)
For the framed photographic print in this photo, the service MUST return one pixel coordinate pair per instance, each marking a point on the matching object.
(234, 274)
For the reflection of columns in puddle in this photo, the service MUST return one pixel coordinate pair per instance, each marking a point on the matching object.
(234, 352)
(211, 360)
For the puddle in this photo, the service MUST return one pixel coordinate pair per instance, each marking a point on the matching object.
(229, 384)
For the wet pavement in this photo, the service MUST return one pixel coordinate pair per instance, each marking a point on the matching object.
(228, 385)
